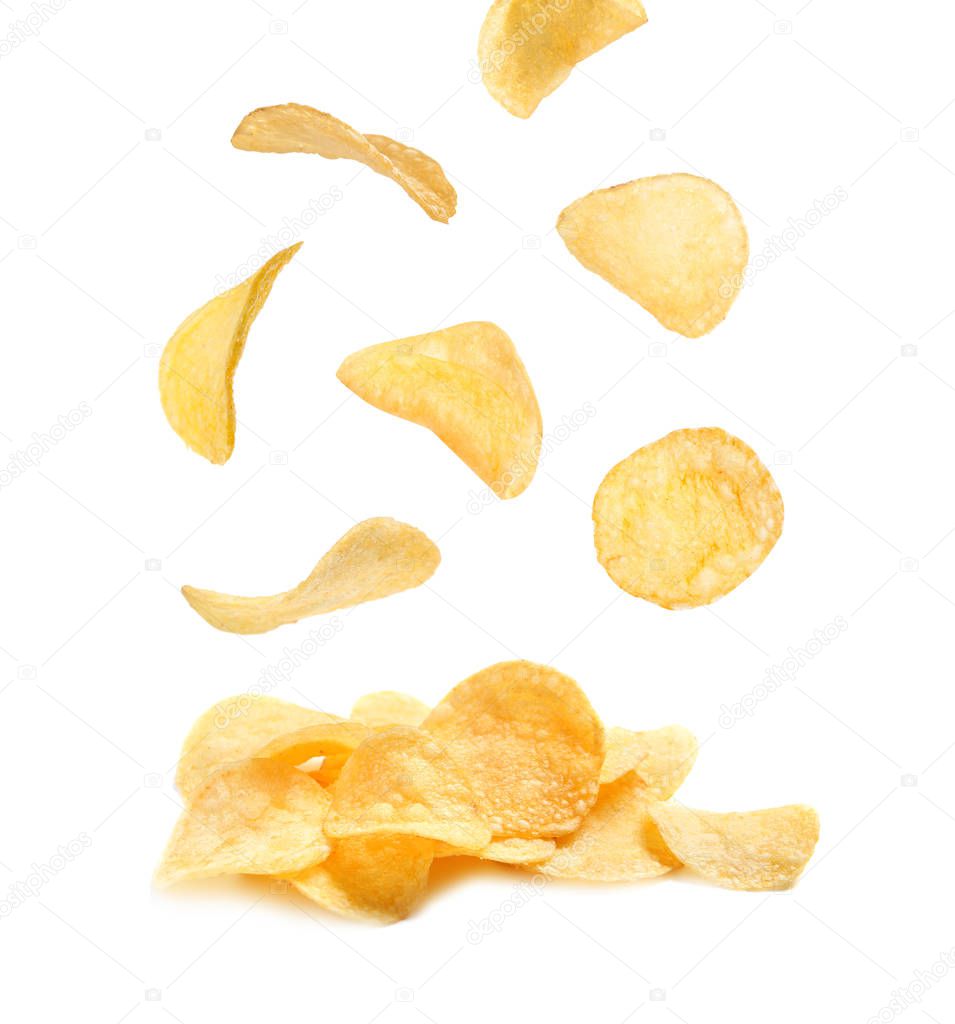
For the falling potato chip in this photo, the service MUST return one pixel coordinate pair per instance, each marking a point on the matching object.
(468, 385)
(374, 559)
(401, 782)
(528, 48)
(505, 851)
(256, 818)
(753, 850)
(199, 361)
(321, 740)
(660, 758)
(388, 707)
(684, 520)
(675, 243)
(617, 841)
(530, 743)
(293, 128)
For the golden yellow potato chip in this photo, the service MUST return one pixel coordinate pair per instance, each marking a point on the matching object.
(376, 558)
(389, 707)
(528, 48)
(753, 850)
(675, 243)
(293, 128)
(617, 841)
(321, 740)
(330, 769)
(660, 758)
(380, 877)
(684, 520)
(235, 729)
(530, 744)
(255, 818)
(199, 361)
(509, 850)
(400, 782)
(468, 385)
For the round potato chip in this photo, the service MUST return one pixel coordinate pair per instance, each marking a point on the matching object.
(509, 850)
(660, 758)
(684, 520)
(530, 744)
(321, 740)
(675, 243)
(388, 707)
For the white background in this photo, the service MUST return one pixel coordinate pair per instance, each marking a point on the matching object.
(109, 237)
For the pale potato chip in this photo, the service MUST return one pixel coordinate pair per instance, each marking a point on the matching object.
(660, 758)
(376, 558)
(388, 707)
(753, 850)
(684, 520)
(468, 385)
(321, 740)
(675, 243)
(255, 818)
(510, 850)
(400, 782)
(199, 361)
(528, 48)
(293, 128)
(617, 841)
(530, 744)
(381, 877)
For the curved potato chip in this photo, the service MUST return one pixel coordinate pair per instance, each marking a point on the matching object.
(755, 850)
(293, 128)
(376, 558)
(388, 707)
(509, 850)
(530, 744)
(234, 729)
(617, 841)
(321, 740)
(527, 48)
(380, 877)
(199, 361)
(468, 385)
(684, 520)
(660, 758)
(675, 243)
(252, 818)
(400, 782)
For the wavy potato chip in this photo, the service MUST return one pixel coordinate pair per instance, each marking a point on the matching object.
(468, 385)
(686, 519)
(528, 48)
(293, 128)
(254, 818)
(676, 244)
(755, 850)
(198, 363)
(376, 558)
(660, 758)
(321, 740)
(388, 707)
(530, 744)
(509, 850)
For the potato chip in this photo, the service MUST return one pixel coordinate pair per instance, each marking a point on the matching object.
(468, 385)
(199, 361)
(379, 877)
(661, 758)
(235, 729)
(293, 128)
(675, 243)
(400, 782)
(321, 740)
(527, 48)
(617, 841)
(330, 768)
(510, 850)
(530, 744)
(754, 850)
(255, 818)
(387, 707)
(684, 520)
(376, 558)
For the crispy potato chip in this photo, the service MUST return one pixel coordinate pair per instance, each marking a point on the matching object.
(400, 782)
(660, 758)
(380, 877)
(255, 818)
(509, 850)
(293, 128)
(388, 707)
(675, 243)
(376, 558)
(468, 385)
(684, 520)
(528, 48)
(321, 740)
(199, 361)
(329, 769)
(754, 850)
(618, 840)
(234, 729)
(530, 744)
